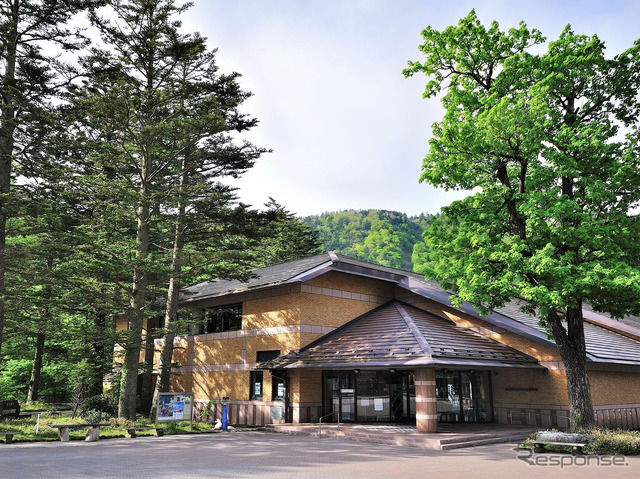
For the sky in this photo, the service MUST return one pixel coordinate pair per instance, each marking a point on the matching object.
(347, 130)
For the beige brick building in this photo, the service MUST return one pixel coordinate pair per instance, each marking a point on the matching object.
(334, 337)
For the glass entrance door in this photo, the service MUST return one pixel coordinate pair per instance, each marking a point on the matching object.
(369, 396)
(340, 396)
(374, 404)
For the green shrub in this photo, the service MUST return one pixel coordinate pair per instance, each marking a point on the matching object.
(95, 416)
(206, 413)
(616, 441)
(101, 406)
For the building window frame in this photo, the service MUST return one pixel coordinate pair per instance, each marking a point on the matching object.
(256, 389)
(220, 319)
(277, 386)
(267, 355)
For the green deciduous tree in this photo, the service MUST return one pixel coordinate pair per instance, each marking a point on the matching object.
(550, 141)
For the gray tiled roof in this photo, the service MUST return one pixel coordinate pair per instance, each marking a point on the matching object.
(269, 275)
(292, 271)
(602, 344)
(630, 321)
(397, 334)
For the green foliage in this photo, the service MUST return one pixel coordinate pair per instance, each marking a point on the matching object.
(16, 373)
(206, 412)
(550, 143)
(605, 441)
(14, 379)
(383, 237)
(95, 416)
(103, 404)
(549, 140)
(172, 428)
(614, 442)
(283, 237)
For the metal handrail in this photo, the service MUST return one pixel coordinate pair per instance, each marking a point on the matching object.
(320, 423)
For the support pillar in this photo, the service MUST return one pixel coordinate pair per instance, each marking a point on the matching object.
(93, 434)
(426, 406)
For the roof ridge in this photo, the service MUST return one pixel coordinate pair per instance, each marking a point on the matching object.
(422, 342)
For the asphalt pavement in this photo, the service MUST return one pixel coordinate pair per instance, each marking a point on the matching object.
(259, 455)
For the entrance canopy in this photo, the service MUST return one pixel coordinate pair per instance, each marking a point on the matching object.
(397, 334)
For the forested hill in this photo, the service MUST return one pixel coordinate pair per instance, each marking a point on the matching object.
(383, 237)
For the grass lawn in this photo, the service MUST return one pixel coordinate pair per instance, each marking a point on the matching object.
(25, 428)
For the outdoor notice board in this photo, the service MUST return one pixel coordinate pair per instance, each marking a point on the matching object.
(175, 407)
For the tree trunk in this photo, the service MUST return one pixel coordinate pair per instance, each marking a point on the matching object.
(571, 345)
(146, 395)
(36, 371)
(7, 130)
(166, 354)
(131, 364)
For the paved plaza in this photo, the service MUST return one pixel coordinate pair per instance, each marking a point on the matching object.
(260, 455)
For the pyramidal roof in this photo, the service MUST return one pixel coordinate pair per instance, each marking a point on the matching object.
(396, 335)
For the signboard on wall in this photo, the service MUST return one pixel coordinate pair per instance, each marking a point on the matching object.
(175, 407)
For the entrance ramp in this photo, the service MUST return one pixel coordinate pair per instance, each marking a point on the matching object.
(449, 436)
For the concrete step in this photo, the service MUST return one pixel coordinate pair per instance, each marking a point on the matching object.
(436, 441)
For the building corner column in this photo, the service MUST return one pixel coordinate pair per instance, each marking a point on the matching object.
(426, 406)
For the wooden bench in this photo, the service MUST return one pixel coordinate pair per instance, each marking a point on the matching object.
(8, 436)
(547, 438)
(158, 431)
(93, 430)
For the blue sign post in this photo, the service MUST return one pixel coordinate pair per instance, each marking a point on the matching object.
(225, 400)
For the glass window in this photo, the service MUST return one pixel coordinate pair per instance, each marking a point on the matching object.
(267, 355)
(374, 397)
(223, 318)
(277, 389)
(463, 396)
(256, 385)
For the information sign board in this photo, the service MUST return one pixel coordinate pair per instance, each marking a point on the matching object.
(175, 407)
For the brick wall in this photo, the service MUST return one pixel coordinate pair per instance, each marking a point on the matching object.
(529, 386)
(357, 284)
(332, 311)
(220, 351)
(215, 385)
(272, 311)
(282, 342)
(305, 386)
(614, 387)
